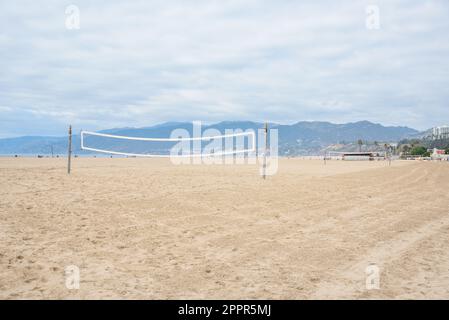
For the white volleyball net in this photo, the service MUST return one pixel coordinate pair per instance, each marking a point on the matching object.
(236, 143)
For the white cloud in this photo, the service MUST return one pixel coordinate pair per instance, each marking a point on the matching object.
(142, 62)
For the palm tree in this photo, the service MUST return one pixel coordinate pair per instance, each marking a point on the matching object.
(406, 149)
(387, 149)
(360, 143)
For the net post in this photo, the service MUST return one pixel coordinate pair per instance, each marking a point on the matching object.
(69, 151)
(264, 166)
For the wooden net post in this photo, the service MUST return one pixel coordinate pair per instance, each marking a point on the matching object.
(265, 151)
(69, 151)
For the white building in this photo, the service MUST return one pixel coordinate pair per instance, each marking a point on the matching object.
(440, 132)
(438, 154)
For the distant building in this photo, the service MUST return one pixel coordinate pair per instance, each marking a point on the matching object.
(440, 132)
(358, 156)
(437, 152)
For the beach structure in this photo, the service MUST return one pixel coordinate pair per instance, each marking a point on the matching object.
(356, 156)
(438, 154)
(359, 156)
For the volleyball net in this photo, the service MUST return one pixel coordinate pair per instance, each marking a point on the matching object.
(179, 144)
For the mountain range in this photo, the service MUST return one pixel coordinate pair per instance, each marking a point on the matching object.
(301, 138)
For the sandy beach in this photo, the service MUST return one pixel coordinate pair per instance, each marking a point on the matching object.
(148, 229)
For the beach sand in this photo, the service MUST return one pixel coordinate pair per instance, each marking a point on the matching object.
(148, 229)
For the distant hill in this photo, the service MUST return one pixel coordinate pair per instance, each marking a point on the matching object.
(301, 138)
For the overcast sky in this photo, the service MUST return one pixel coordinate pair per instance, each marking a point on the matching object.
(138, 63)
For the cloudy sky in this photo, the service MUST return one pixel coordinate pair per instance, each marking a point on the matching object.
(138, 63)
